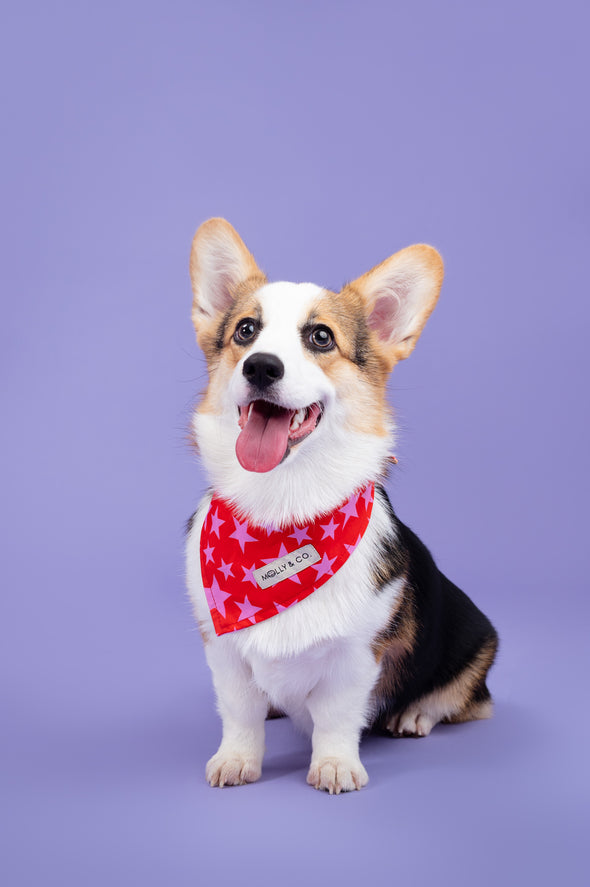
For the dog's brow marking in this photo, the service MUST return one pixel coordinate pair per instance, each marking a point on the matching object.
(242, 293)
(222, 329)
(349, 320)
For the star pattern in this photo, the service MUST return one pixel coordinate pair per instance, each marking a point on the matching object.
(282, 552)
(324, 567)
(226, 569)
(235, 598)
(349, 509)
(241, 533)
(271, 528)
(210, 598)
(351, 548)
(329, 529)
(219, 596)
(216, 523)
(249, 574)
(300, 533)
(248, 610)
(208, 552)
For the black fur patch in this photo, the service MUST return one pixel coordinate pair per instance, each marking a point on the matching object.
(189, 524)
(363, 355)
(222, 330)
(393, 560)
(361, 344)
(449, 629)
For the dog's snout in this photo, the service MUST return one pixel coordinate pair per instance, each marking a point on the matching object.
(263, 369)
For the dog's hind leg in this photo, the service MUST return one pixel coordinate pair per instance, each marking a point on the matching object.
(439, 706)
(465, 698)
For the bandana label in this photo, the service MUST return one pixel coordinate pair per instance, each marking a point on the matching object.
(251, 573)
(286, 566)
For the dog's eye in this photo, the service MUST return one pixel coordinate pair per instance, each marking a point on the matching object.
(321, 338)
(245, 331)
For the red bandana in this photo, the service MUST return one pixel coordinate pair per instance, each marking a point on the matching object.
(250, 573)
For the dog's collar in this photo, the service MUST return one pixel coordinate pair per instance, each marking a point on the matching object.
(251, 574)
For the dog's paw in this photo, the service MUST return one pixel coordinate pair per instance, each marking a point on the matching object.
(335, 775)
(223, 769)
(412, 722)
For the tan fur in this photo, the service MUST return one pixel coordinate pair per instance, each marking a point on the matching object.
(362, 382)
(391, 647)
(342, 313)
(366, 415)
(365, 388)
(209, 330)
(369, 284)
(202, 629)
(458, 695)
(454, 703)
(376, 321)
(213, 237)
(221, 362)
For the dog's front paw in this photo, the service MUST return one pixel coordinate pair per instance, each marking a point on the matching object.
(232, 769)
(335, 775)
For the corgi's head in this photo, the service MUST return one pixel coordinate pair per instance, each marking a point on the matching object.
(295, 414)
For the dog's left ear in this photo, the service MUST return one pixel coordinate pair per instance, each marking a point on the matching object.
(400, 295)
(219, 262)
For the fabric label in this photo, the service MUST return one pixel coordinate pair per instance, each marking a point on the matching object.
(286, 566)
(250, 573)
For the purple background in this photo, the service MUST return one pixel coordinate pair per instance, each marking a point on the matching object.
(330, 134)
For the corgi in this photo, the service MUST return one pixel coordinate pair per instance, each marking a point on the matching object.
(312, 598)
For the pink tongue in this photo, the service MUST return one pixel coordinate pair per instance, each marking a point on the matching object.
(264, 437)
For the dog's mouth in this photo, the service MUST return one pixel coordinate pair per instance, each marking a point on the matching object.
(269, 431)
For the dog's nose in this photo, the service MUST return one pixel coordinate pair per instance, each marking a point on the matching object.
(263, 369)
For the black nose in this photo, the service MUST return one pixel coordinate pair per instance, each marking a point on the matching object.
(263, 369)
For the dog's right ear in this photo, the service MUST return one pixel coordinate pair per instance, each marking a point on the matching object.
(219, 263)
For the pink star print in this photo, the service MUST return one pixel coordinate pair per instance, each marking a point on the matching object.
(300, 533)
(270, 560)
(247, 610)
(218, 596)
(367, 495)
(351, 548)
(241, 533)
(225, 569)
(216, 522)
(282, 553)
(272, 528)
(329, 529)
(324, 568)
(249, 574)
(349, 509)
(209, 553)
(279, 607)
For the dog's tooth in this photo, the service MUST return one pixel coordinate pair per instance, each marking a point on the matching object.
(297, 419)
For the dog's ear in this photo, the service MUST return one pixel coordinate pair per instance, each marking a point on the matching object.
(399, 296)
(219, 263)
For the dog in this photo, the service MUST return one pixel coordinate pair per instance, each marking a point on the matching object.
(312, 598)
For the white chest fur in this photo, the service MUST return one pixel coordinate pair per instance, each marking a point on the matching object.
(290, 653)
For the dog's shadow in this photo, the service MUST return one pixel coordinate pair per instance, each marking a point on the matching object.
(511, 735)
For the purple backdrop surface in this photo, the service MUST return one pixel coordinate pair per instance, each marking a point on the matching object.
(330, 134)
